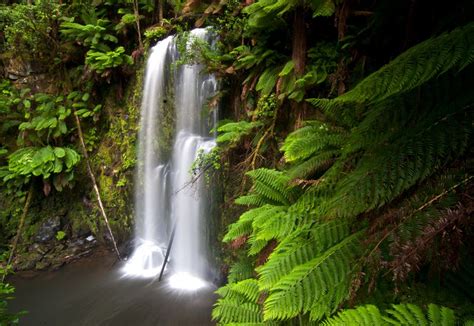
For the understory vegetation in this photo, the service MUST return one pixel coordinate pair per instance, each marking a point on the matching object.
(345, 148)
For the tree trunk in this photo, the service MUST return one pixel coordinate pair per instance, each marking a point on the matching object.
(299, 59)
(299, 42)
(158, 11)
(137, 22)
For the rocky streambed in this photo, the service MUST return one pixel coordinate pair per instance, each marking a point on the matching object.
(51, 249)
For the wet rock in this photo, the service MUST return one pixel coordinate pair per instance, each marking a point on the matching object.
(41, 248)
(42, 265)
(28, 261)
(48, 229)
(126, 248)
(82, 232)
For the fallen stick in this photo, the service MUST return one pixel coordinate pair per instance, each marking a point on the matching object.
(168, 250)
(94, 183)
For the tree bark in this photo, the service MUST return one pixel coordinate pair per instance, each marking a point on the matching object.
(299, 48)
(158, 11)
(299, 42)
(137, 22)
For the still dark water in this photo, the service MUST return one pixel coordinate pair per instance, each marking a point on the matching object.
(92, 292)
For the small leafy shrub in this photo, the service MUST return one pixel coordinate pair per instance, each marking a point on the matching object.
(101, 61)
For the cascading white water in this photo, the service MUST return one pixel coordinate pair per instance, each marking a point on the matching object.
(165, 196)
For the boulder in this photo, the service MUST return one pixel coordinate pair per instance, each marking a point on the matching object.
(48, 229)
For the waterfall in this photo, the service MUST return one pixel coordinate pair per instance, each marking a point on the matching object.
(166, 197)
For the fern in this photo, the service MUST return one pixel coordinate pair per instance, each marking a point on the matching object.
(240, 270)
(243, 226)
(401, 314)
(418, 145)
(317, 286)
(295, 250)
(318, 163)
(270, 187)
(238, 303)
(421, 63)
(266, 13)
(232, 132)
(314, 137)
(403, 124)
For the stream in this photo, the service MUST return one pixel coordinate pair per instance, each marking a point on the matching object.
(93, 292)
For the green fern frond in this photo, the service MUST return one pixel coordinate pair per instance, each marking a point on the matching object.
(317, 286)
(227, 312)
(296, 250)
(322, 8)
(253, 200)
(318, 163)
(238, 303)
(268, 226)
(314, 137)
(400, 315)
(368, 315)
(232, 132)
(273, 187)
(243, 226)
(414, 67)
(240, 270)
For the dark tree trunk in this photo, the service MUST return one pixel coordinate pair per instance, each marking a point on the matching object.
(299, 42)
(299, 58)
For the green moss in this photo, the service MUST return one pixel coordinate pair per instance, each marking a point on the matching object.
(115, 158)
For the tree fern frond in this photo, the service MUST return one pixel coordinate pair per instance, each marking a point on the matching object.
(243, 226)
(227, 312)
(253, 200)
(273, 186)
(268, 225)
(315, 164)
(314, 137)
(411, 69)
(399, 314)
(241, 270)
(368, 315)
(317, 286)
(440, 316)
(296, 250)
(238, 303)
(232, 132)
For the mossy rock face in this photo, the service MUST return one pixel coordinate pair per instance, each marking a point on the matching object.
(115, 158)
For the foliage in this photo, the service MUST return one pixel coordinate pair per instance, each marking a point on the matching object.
(398, 314)
(451, 51)
(31, 29)
(205, 161)
(94, 35)
(97, 35)
(390, 154)
(47, 162)
(6, 293)
(265, 14)
(155, 33)
(101, 61)
(232, 132)
(60, 235)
